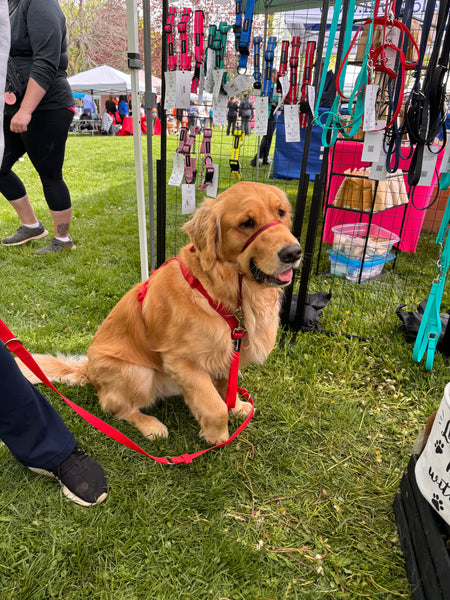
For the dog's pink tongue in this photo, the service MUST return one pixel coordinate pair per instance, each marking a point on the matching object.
(285, 276)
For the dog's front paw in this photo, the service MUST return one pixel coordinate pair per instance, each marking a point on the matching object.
(214, 437)
(242, 409)
(150, 426)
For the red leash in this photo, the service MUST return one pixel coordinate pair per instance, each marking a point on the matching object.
(14, 345)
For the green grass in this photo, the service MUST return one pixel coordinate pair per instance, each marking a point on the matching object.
(299, 507)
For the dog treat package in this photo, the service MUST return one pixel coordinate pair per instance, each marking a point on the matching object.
(433, 465)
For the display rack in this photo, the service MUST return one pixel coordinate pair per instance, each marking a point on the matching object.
(359, 213)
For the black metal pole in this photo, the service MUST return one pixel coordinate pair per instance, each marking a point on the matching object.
(161, 164)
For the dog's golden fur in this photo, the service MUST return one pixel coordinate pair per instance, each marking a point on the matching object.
(175, 343)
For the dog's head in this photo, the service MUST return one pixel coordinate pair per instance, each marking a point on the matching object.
(248, 224)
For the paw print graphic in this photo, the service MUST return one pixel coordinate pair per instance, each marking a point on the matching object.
(438, 447)
(437, 502)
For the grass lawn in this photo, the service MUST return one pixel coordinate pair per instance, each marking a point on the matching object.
(298, 507)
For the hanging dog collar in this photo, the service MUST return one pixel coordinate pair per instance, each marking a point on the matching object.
(238, 139)
(199, 19)
(257, 40)
(291, 97)
(237, 27)
(282, 69)
(168, 28)
(190, 172)
(306, 81)
(208, 162)
(183, 25)
(269, 56)
(246, 36)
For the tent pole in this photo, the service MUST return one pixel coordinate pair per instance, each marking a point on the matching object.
(134, 63)
(149, 105)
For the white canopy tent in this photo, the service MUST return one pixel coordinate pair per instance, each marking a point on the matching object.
(103, 80)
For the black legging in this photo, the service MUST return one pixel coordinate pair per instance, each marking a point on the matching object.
(45, 144)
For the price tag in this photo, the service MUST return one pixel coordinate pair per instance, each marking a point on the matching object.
(261, 115)
(208, 85)
(428, 167)
(183, 89)
(378, 169)
(220, 110)
(171, 90)
(285, 85)
(291, 123)
(370, 99)
(187, 198)
(176, 177)
(238, 84)
(311, 97)
(211, 190)
(217, 83)
(373, 142)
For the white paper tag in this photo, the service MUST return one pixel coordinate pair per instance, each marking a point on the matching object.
(311, 97)
(378, 169)
(261, 115)
(285, 85)
(208, 84)
(211, 190)
(171, 90)
(370, 99)
(217, 83)
(220, 110)
(238, 84)
(187, 198)
(183, 85)
(291, 123)
(391, 55)
(201, 83)
(176, 177)
(373, 142)
(428, 167)
(445, 163)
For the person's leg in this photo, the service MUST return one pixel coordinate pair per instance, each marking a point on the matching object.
(39, 439)
(14, 191)
(48, 158)
(29, 425)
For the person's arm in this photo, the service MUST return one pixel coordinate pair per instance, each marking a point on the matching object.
(33, 95)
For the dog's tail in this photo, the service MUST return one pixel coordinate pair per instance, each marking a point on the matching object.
(71, 370)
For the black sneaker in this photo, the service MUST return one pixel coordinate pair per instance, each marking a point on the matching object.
(57, 246)
(82, 479)
(25, 234)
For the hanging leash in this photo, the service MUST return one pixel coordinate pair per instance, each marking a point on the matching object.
(305, 109)
(257, 41)
(282, 69)
(430, 326)
(291, 97)
(245, 36)
(269, 56)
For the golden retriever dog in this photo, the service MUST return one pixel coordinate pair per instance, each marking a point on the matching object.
(174, 342)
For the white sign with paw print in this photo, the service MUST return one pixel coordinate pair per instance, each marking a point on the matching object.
(433, 466)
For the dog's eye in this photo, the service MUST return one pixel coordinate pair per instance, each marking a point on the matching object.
(281, 213)
(248, 224)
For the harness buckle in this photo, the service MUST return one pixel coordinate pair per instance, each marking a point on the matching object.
(13, 339)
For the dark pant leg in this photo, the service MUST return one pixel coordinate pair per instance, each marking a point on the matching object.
(29, 425)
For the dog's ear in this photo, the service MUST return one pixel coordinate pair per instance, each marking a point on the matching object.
(204, 232)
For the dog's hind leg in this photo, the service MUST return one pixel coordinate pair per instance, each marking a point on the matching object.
(125, 392)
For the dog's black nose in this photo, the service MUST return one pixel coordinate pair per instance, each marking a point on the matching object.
(290, 254)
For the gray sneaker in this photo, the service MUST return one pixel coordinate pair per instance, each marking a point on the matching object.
(25, 234)
(57, 246)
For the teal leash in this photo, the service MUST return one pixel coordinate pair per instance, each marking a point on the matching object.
(430, 326)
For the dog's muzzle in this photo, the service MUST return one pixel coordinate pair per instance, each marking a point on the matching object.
(288, 256)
